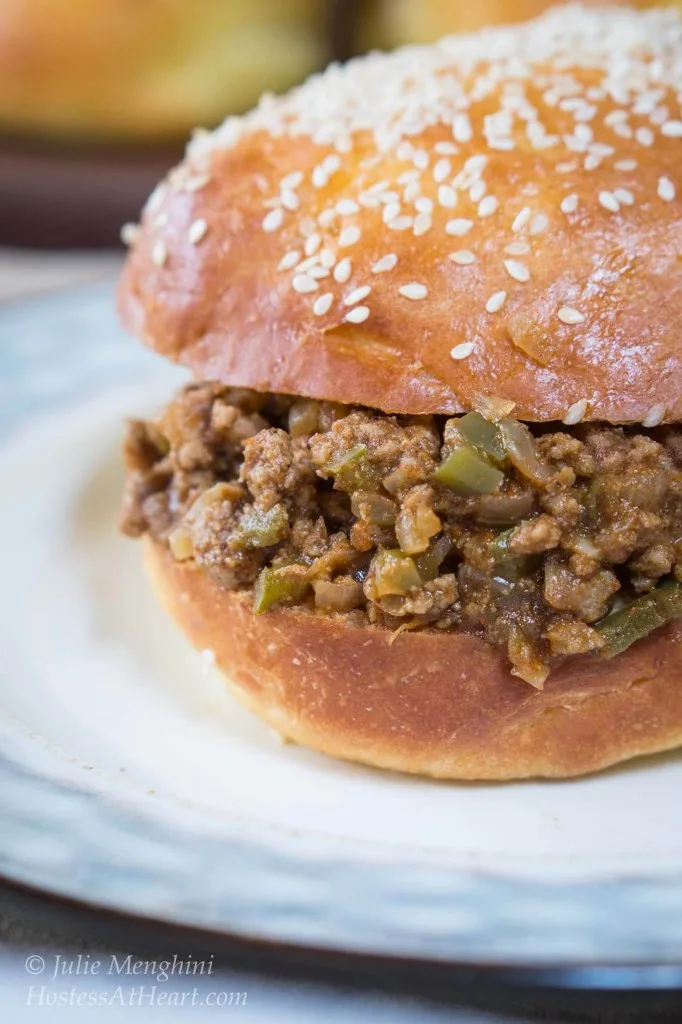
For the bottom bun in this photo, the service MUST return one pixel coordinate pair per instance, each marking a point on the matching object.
(433, 703)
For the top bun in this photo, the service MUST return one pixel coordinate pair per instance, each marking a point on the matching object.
(496, 215)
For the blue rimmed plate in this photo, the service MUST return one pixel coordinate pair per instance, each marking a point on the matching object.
(130, 780)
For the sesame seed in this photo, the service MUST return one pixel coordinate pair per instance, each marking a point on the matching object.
(326, 217)
(624, 196)
(357, 295)
(318, 272)
(347, 207)
(569, 204)
(342, 270)
(625, 165)
(387, 262)
(461, 128)
(357, 315)
(305, 265)
(319, 177)
(420, 159)
(655, 416)
(672, 129)
(391, 211)
(645, 136)
(289, 199)
(292, 180)
(666, 189)
(289, 260)
(462, 350)
(273, 220)
(405, 150)
(159, 253)
(477, 191)
(349, 236)
(442, 170)
(424, 204)
(160, 220)
(459, 226)
(422, 223)
(400, 223)
(322, 304)
(446, 149)
(129, 233)
(312, 243)
(327, 257)
(538, 223)
(576, 412)
(487, 206)
(303, 284)
(414, 290)
(517, 249)
(519, 271)
(476, 163)
(406, 178)
(412, 191)
(197, 230)
(609, 202)
(447, 196)
(569, 315)
(521, 219)
(496, 302)
(464, 257)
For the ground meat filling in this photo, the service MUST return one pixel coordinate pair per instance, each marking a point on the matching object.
(546, 542)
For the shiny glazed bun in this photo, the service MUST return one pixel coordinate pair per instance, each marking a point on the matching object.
(495, 215)
(148, 69)
(432, 703)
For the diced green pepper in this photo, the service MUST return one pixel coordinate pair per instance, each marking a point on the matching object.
(394, 573)
(482, 434)
(499, 547)
(467, 471)
(430, 562)
(258, 529)
(353, 471)
(509, 565)
(275, 585)
(635, 620)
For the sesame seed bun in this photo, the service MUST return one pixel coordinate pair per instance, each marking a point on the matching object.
(148, 70)
(428, 702)
(496, 214)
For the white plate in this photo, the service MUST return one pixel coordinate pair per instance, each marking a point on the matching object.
(129, 778)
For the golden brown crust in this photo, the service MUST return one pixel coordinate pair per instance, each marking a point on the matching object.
(431, 703)
(148, 69)
(600, 177)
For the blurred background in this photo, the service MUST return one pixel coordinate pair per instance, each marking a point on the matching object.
(98, 96)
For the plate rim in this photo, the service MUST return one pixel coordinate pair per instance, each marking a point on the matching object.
(456, 916)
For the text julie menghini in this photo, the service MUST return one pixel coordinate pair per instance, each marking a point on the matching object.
(152, 992)
(56, 966)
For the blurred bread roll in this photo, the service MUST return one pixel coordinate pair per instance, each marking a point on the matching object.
(148, 69)
(398, 22)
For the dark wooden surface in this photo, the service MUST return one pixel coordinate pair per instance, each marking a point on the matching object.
(57, 197)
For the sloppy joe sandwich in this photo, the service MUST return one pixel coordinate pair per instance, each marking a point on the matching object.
(423, 497)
